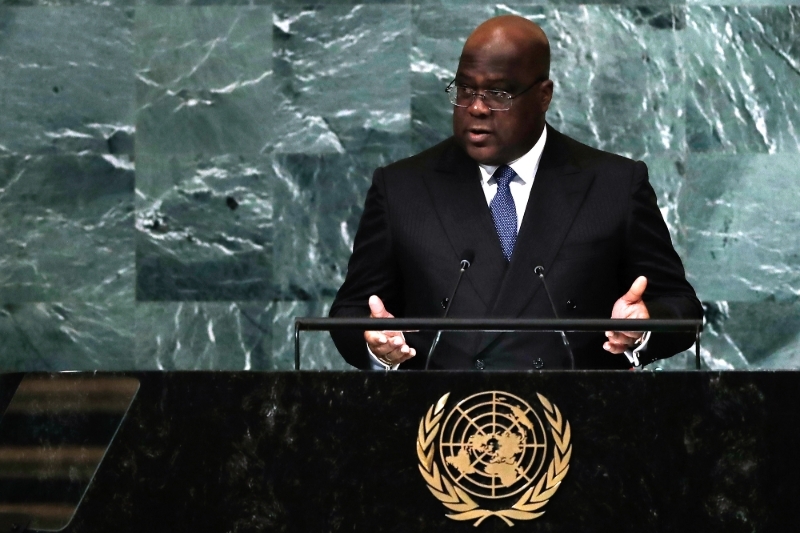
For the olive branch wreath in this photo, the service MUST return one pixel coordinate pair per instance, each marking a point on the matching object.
(457, 500)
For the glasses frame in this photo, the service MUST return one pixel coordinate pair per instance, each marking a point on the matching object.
(476, 94)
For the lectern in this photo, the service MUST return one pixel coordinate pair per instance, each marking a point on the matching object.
(402, 451)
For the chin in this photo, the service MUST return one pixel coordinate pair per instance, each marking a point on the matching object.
(483, 155)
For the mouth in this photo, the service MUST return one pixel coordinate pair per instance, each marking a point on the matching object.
(478, 135)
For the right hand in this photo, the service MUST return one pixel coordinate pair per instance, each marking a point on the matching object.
(388, 346)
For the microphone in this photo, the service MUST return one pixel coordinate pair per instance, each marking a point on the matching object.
(467, 257)
(539, 271)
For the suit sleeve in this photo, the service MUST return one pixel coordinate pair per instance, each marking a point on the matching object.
(649, 252)
(372, 270)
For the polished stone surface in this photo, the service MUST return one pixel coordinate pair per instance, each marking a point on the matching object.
(682, 451)
(163, 156)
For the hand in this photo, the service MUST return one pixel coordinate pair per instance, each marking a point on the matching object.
(388, 346)
(630, 305)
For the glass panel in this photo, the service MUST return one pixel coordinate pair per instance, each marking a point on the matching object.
(53, 436)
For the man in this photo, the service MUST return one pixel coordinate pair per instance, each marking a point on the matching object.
(513, 194)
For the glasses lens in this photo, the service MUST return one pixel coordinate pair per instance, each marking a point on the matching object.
(497, 100)
(463, 96)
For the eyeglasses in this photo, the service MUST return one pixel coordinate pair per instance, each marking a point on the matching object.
(462, 96)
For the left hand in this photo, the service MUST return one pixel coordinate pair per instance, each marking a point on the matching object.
(630, 305)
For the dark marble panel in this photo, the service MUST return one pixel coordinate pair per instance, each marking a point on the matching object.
(204, 228)
(203, 80)
(743, 75)
(66, 80)
(629, 101)
(67, 336)
(742, 238)
(66, 228)
(690, 451)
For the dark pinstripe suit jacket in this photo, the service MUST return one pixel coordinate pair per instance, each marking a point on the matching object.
(592, 221)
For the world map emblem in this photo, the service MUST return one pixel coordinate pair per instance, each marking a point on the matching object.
(493, 454)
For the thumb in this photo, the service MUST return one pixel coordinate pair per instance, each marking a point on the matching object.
(636, 291)
(376, 308)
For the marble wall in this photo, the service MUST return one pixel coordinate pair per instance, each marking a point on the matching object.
(178, 181)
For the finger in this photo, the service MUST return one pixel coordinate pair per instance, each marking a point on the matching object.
(377, 309)
(623, 336)
(615, 348)
(397, 355)
(391, 349)
(636, 291)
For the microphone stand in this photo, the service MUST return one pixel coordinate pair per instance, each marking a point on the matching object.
(539, 271)
(464, 266)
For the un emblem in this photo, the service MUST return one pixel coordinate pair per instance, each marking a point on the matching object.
(493, 446)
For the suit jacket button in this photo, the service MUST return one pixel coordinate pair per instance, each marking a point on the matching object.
(444, 302)
(479, 364)
(571, 305)
(538, 363)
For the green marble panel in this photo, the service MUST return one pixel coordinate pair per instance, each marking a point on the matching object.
(205, 336)
(66, 336)
(203, 80)
(230, 336)
(66, 228)
(204, 228)
(66, 80)
(667, 173)
(317, 351)
(343, 72)
(743, 73)
(742, 224)
(260, 125)
(618, 81)
(761, 335)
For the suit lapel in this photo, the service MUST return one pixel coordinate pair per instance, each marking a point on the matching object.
(556, 196)
(456, 193)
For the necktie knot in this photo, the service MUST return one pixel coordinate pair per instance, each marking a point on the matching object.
(503, 175)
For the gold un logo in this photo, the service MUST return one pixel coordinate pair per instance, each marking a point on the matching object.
(487, 458)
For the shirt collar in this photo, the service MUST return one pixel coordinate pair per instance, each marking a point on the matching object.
(525, 166)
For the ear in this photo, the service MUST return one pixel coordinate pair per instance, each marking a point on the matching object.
(546, 94)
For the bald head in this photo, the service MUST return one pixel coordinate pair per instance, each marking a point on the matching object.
(509, 56)
(515, 37)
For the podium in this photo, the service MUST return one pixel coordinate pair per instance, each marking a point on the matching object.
(341, 451)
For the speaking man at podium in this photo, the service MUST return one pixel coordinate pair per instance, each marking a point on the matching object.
(508, 193)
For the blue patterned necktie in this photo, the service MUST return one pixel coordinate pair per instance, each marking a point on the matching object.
(503, 211)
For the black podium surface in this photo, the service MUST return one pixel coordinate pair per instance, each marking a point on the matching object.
(307, 451)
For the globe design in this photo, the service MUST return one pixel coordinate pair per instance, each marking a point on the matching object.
(493, 444)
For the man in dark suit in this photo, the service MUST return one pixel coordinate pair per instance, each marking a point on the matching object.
(514, 194)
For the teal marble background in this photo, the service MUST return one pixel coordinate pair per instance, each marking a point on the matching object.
(179, 179)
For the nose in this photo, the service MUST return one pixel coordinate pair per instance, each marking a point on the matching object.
(478, 107)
